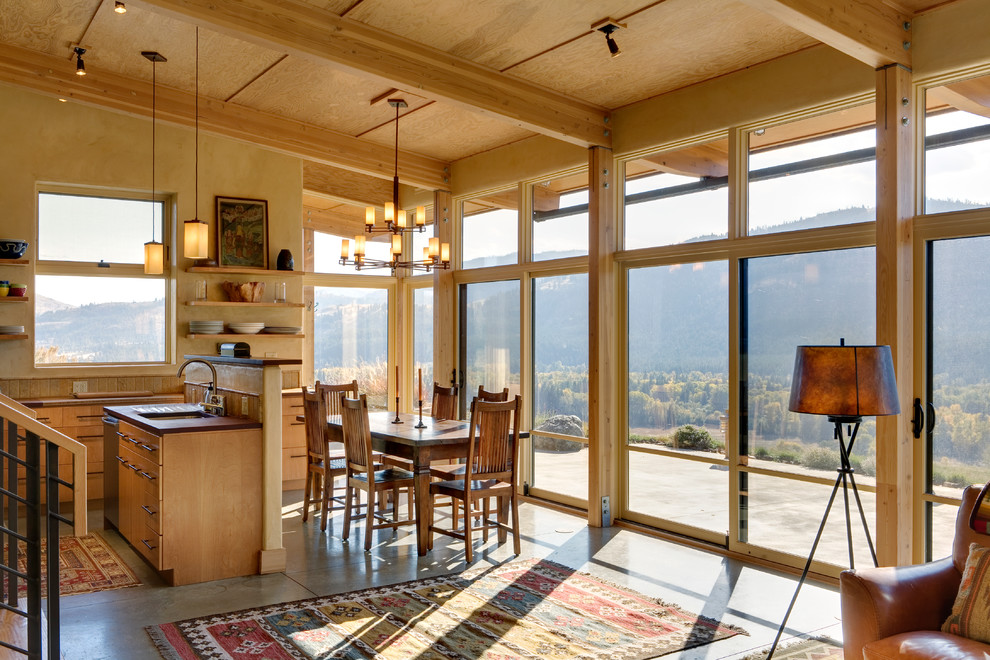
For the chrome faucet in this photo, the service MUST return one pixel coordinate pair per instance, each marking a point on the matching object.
(212, 402)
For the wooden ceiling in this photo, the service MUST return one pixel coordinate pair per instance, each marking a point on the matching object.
(311, 77)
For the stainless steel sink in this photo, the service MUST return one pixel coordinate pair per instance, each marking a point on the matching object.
(192, 414)
(173, 411)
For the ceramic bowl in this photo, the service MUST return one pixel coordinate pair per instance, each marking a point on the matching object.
(12, 248)
(18, 290)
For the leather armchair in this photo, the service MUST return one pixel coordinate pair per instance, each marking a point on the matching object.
(898, 611)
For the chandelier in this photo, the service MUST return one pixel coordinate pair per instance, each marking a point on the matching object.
(435, 256)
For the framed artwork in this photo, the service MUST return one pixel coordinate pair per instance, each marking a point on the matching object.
(242, 232)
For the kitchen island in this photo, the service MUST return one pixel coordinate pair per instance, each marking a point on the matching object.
(189, 490)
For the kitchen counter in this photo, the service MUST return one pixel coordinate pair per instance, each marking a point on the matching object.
(110, 399)
(161, 426)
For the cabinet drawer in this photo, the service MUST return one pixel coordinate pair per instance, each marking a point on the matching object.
(293, 432)
(83, 433)
(82, 415)
(293, 463)
(50, 416)
(142, 444)
(151, 511)
(149, 545)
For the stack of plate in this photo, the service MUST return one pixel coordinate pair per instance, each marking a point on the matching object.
(283, 329)
(11, 329)
(246, 328)
(205, 327)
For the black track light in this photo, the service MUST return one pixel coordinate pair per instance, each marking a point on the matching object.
(607, 30)
(80, 65)
(119, 7)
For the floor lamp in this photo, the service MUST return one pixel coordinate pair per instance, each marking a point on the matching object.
(846, 383)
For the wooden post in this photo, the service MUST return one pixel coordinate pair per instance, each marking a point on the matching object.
(603, 383)
(895, 317)
(444, 294)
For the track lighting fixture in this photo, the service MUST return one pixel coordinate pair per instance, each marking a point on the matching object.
(613, 48)
(80, 65)
(119, 7)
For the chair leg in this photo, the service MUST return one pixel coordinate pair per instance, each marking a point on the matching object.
(430, 520)
(503, 517)
(309, 481)
(468, 524)
(348, 492)
(369, 521)
(327, 485)
(515, 523)
(486, 512)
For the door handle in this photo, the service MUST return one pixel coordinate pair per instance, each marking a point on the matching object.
(918, 421)
(931, 417)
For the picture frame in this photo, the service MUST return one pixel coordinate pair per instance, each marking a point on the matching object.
(242, 232)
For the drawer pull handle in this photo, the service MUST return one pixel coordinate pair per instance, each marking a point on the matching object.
(297, 423)
(121, 460)
(297, 455)
(149, 477)
(148, 511)
(147, 447)
(89, 416)
(148, 545)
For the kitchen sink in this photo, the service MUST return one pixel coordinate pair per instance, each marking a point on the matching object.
(191, 414)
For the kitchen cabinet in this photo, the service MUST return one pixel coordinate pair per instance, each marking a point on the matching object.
(293, 441)
(189, 501)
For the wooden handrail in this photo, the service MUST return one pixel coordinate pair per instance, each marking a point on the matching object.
(25, 418)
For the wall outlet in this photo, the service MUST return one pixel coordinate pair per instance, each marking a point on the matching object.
(80, 386)
(271, 354)
(606, 512)
(244, 406)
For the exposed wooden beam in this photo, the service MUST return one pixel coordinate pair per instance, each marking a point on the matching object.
(332, 222)
(342, 184)
(50, 75)
(971, 95)
(307, 31)
(872, 31)
(696, 161)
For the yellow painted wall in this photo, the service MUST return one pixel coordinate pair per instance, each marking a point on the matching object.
(45, 141)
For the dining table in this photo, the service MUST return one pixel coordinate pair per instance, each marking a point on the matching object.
(435, 440)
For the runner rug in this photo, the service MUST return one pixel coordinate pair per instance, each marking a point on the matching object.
(86, 564)
(525, 609)
(815, 648)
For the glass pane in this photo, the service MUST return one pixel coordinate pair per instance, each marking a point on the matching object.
(792, 300)
(490, 231)
(818, 172)
(960, 378)
(423, 342)
(678, 382)
(679, 196)
(351, 339)
(689, 492)
(90, 229)
(560, 217)
(957, 146)
(560, 372)
(490, 344)
(99, 319)
(326, 254)
(785, 514)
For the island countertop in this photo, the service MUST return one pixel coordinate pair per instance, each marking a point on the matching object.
(158, 426)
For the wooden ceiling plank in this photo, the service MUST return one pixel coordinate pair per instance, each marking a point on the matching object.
(697, 161)
(320, 35)
(341, 184)
(52, 76)
(872, 31)
(962, 100)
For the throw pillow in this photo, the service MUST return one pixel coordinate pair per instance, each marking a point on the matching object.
(970, 615)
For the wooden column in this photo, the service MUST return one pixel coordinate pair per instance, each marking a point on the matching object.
(895, 317)
(603, 422)
(444, 294)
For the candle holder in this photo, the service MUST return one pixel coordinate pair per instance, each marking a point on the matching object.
(420, 425)
(396, 420)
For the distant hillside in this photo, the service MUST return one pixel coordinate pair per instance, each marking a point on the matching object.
(43, 305)
(105, 332)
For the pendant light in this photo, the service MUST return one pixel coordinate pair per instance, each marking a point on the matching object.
(196, 232)
(154, 252)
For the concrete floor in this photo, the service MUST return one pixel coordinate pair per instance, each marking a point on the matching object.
(111, 624)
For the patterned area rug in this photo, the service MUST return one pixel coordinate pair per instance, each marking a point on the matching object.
(815, 648)
(86, 564)
(526, 609)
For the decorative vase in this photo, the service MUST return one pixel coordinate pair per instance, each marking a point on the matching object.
(284, 260)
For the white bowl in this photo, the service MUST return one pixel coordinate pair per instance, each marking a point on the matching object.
(245, 331)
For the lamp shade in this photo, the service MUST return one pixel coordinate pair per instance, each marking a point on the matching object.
(844, 381)
(154, 258)
(197, 239)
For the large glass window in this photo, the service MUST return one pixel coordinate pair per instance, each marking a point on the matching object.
(677, 196)
(678, 383)
(93, 302)
(490, 230)
(957, 146)
(560, 387)
(816, 172)
(326, 253)
(423, 343)
(350, 340)
(489, 338)
(812, 298)
(560, 217)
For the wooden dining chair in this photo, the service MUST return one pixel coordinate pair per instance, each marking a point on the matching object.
(322, 465)
(362, 475)
(490, 471)
(331, 394)
(444, 401)
(485, 395)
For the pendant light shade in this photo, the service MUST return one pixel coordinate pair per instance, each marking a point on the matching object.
(154, 258)
(196, 239)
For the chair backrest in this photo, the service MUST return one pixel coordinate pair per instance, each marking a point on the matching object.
(485, 395)
(965, 534)
(444, 401)
(494, 440)
(331, 394)
(357, 434)
(315, 412)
